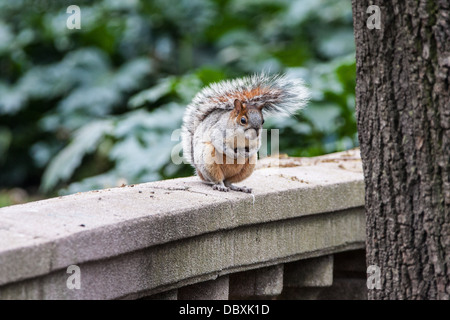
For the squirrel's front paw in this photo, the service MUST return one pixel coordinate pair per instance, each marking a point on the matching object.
(220, 188)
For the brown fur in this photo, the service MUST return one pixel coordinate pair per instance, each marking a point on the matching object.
(233, 172)
(246, 95)
(240, 172)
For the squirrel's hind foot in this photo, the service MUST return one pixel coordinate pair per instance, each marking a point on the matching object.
(220, 187)
(241, 189)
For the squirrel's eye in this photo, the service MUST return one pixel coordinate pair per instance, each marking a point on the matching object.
(262, 122)
(243, 120)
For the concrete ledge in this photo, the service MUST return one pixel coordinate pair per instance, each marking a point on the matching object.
(208, 290)
(150, 238)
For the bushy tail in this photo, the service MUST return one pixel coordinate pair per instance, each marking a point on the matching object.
(277, 94)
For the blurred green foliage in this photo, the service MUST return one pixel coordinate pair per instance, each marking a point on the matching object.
(95, 107)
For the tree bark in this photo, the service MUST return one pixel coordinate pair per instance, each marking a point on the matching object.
(403, 118)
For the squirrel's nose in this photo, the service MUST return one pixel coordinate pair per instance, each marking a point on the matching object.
(252, 133)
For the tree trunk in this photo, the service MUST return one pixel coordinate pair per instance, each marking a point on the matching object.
(403, 116)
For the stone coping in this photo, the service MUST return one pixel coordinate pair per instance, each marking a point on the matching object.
(42, 237)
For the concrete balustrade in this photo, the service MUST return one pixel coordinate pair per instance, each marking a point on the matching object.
(179, 239)
(260, 283)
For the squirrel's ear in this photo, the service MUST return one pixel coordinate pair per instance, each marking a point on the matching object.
(237, 105)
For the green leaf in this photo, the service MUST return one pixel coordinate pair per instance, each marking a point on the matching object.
(67, 160)
(153, 94)
(12, 100)
(131, 74)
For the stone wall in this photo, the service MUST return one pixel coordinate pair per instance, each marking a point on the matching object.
(299, 236)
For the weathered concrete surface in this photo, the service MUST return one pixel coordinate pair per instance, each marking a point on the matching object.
(166, 266)
(166, 295)
(263, 282)
(349, 280)
(157, 236)
(209, 290)
(317, 272)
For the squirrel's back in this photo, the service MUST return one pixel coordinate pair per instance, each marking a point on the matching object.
(276, 94)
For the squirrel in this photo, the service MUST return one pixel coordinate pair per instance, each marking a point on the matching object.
(221, 131)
